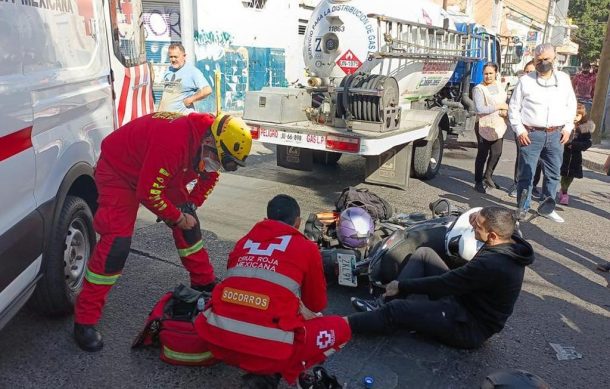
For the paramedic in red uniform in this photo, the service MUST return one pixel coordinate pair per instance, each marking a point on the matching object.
(149, 161)
(262, 317)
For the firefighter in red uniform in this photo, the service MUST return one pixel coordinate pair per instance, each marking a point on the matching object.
(150, 161)
(261, 316)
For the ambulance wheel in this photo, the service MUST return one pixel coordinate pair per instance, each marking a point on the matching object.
(326, 157)
(65, 260)
(427, 157)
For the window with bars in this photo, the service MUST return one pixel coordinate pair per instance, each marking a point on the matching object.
(256, 4)
(302, 26)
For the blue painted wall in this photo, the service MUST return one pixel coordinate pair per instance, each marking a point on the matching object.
(242, 68)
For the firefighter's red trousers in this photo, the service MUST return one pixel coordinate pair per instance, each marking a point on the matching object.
(114, 221)
(318, 339)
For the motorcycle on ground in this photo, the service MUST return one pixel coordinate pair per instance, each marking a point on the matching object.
(448, 232)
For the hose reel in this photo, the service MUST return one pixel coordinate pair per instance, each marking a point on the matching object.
(369, 98)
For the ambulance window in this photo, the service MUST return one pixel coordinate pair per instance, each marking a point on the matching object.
(127, 31)
(11, 57)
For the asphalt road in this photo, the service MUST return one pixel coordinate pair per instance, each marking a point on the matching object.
(564, 300)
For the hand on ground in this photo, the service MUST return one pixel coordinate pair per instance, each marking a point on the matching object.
(391, 289)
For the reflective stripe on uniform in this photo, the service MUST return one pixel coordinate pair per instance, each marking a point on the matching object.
(186, 357)
(190, 250)
(248, 329)
(100, 279)
(267, 275)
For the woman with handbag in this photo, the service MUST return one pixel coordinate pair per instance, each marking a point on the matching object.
(490, 103)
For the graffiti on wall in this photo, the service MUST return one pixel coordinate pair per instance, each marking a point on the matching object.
(242, 68)
(161, 27)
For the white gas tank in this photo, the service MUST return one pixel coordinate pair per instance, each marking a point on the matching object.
(340, 38)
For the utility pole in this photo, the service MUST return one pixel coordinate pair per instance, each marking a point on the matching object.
(550, 21)
(601, 88)
(469, 8)
(187, 29)
(445, 4)
(496, 15)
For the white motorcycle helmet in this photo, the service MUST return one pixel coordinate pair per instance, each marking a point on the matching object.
(460, 241)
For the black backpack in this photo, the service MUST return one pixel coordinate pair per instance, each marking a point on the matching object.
(377, 207)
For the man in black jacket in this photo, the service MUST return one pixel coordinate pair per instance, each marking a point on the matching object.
(465, 306)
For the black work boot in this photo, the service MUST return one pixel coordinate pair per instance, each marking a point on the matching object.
(255, 381)
(318, 378)
(87, 337)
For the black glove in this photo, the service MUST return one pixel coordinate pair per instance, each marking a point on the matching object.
(188, 207)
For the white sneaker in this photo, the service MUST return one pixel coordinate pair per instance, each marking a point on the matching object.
(554, 216)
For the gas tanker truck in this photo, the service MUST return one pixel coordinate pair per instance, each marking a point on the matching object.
(388, 80)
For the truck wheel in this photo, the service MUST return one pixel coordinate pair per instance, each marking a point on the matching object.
(65, 260)
(326, 157)
(427, 157)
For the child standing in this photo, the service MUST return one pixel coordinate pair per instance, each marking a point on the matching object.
(580, 141)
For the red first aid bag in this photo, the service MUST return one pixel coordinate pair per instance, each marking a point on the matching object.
(170, 327)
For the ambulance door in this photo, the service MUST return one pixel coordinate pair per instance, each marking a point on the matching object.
(131, 74)
(71, 96)
(19, 224)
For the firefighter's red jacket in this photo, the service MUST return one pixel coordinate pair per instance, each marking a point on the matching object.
(255, 309)
(155, 155)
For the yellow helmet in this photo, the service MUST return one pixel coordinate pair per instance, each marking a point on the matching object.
(233, 141)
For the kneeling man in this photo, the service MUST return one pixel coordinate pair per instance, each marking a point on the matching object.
(261, 316)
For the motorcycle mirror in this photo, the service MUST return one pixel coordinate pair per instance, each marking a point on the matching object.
(546, 207)
(439, 207)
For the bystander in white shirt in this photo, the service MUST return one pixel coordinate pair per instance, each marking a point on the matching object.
(539, 102)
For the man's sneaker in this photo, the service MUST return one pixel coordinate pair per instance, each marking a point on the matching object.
(512, 192)
(479, 187)
(363, 305)
(554, 216)
(605, 266)
(564, 199)
(88, 338)
(319, 378)
(255, 381)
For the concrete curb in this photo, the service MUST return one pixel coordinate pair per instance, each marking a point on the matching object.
(592, 165)
(595, 157)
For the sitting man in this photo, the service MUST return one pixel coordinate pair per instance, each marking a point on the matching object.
(467, 305)
(261, 316)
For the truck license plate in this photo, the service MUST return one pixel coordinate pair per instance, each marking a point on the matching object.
(310, 141)
(347, 266)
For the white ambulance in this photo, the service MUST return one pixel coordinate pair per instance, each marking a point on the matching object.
(71, 71)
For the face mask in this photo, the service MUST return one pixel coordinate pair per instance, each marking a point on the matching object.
(544, 66)
(211, 165)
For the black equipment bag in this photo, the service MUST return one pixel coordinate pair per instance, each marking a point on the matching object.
(377, 207)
